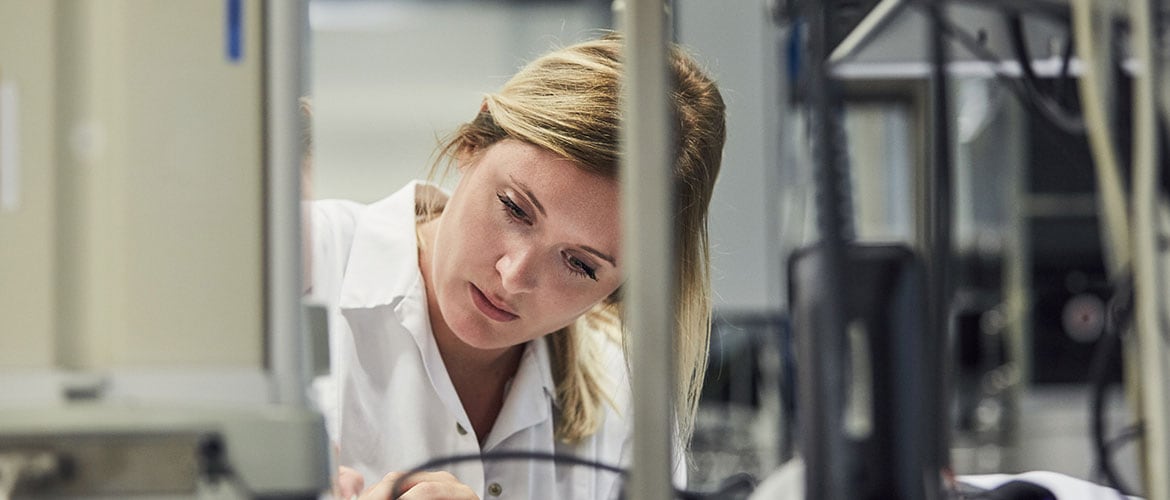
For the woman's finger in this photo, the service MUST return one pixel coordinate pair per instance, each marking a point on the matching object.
(381, 491)
(437, 485)
(440, 476)
(439, 490)
(348, 483)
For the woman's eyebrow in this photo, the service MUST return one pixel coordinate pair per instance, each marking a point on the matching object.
(528, 192)
(603, 256)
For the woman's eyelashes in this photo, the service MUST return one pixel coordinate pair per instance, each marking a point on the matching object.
(578, 267)
(514, 212)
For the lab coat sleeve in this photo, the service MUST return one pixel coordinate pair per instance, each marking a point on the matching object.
(330, 240)
(333, 223)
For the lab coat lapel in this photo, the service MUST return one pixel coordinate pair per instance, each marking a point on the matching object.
(530, 398)
(383, 262)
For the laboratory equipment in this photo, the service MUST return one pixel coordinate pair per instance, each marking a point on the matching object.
(153, 451)
(153, 343)
(887, 45)
(887, 409)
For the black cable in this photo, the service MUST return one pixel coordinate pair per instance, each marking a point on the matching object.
(1020, 47)
(1043, 104)
(736, 483)
(1118, 316)
(1015, 85)
(1063, 79)
(502, 456)
(1124, 436)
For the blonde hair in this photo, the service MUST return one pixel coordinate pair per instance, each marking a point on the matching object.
(568, 102)
(305, 104)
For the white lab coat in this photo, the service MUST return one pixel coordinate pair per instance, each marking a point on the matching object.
(389, 403)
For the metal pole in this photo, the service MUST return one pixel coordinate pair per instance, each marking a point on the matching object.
(937, 255)
(647, 202)
(823, 441)
(283, 70)
(1152, 361)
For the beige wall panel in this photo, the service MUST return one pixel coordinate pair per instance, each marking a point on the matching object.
(193, 168)
(26, 233)
(161, 193)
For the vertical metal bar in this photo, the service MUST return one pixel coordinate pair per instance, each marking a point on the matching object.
(647, 201)
(823, 439)
(74, 114)
(938, 247)
(1154, 363)
(283, 73)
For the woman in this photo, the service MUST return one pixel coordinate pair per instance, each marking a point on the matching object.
(487, 320)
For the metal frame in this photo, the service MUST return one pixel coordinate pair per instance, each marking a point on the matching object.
(288, 356)
(647, 200)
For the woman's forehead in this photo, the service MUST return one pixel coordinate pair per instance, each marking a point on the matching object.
(536, 166)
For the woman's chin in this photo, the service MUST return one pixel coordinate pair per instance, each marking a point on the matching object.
(478, 336)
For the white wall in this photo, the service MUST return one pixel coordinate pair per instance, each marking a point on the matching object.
(741, 47)
(390, 79)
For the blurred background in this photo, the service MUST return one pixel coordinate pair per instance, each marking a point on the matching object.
(135, 260)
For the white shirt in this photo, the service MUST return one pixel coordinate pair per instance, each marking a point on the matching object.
(389, 402)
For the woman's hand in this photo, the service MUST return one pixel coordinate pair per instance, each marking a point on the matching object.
(347, 484)
(439, 485)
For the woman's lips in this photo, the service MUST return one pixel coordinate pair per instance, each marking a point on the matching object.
(489, 308)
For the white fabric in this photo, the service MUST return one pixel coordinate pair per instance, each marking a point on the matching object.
(389, 403)
(1064, 487)
(788, 483)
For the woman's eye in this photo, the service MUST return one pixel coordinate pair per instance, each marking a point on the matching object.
(580, 268)
(513, 209)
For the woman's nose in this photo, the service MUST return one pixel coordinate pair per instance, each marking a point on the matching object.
(517, 271)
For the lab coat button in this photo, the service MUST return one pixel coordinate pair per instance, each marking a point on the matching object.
(459, 428)
(495, 489)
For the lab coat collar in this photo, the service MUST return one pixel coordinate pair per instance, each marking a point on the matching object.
(385, 250)
(383, 274)
(383, 264)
